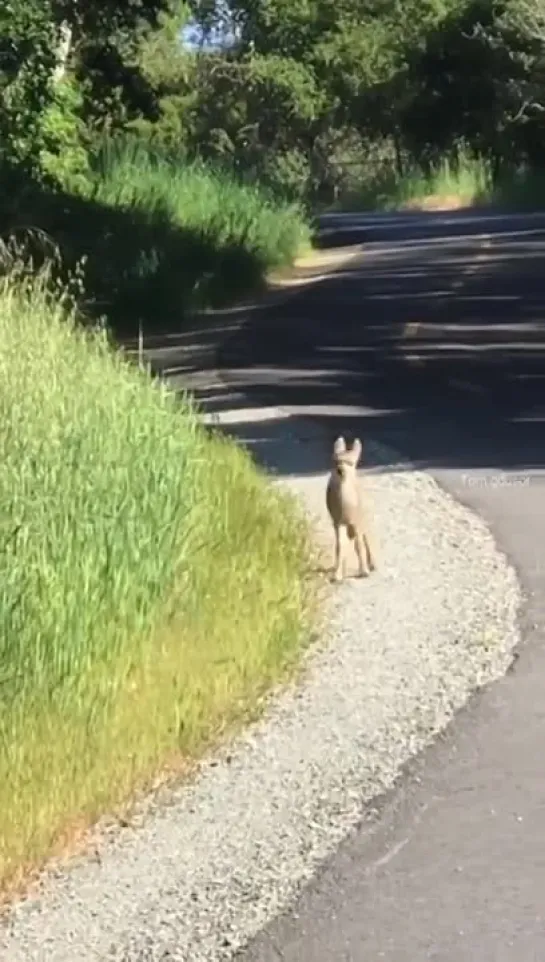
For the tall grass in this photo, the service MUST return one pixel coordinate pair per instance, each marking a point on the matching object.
(457, 182)
(460, 181)
(196, 197)
(152, 583)
(162, 237)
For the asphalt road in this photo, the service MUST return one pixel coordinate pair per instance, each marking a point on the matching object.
(434, 341)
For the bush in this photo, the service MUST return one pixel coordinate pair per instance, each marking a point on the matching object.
(63, 156)
(151, 581)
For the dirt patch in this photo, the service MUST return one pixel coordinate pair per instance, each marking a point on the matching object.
(311, 266)
(437, 202)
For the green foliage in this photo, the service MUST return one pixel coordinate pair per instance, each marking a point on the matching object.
(253, 107)
(63, 155)
(161, 238)
(429, 76)
(40, 116)
(170, 72)
(462, 180)
(28, 40)
(287, 174)
(468, 84)
(188, 236)
(298, 91)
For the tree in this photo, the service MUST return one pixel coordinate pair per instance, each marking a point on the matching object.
(170, 72)
(28, 42)
(474, 80)
(290, 81)
(44, 43)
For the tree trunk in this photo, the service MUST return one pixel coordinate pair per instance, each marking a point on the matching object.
(63, 51)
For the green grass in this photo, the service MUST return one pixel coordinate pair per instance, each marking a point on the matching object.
(161, 237)
(463, 181)
(152, 584)
(198, 198)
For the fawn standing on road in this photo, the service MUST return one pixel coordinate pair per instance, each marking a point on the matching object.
(344, 503)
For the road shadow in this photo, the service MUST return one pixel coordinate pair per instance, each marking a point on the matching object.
(410, 226)
(436, 348)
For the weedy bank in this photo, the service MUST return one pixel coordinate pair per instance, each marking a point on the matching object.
(161, 236)
(152, 582)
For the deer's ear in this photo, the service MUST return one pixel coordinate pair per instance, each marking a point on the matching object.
(356, 450)
(340, 446)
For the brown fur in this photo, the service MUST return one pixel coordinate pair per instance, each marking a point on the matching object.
(345, 507)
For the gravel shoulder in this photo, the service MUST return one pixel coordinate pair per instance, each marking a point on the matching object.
(402, 651)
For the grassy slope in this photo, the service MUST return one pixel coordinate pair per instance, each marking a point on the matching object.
(160, 237)
(152, 582)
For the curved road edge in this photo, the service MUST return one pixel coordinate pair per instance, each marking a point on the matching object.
(404, 650)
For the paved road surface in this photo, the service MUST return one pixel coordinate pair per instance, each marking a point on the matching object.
(435, 340)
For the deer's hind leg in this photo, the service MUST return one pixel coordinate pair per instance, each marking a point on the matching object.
(361, 552)
(370, 550)
(338, 570)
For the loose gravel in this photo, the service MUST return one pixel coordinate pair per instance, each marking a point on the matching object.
(403, 651)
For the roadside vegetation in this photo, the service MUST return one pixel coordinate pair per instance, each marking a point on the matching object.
(461, 181)
(153, 583)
